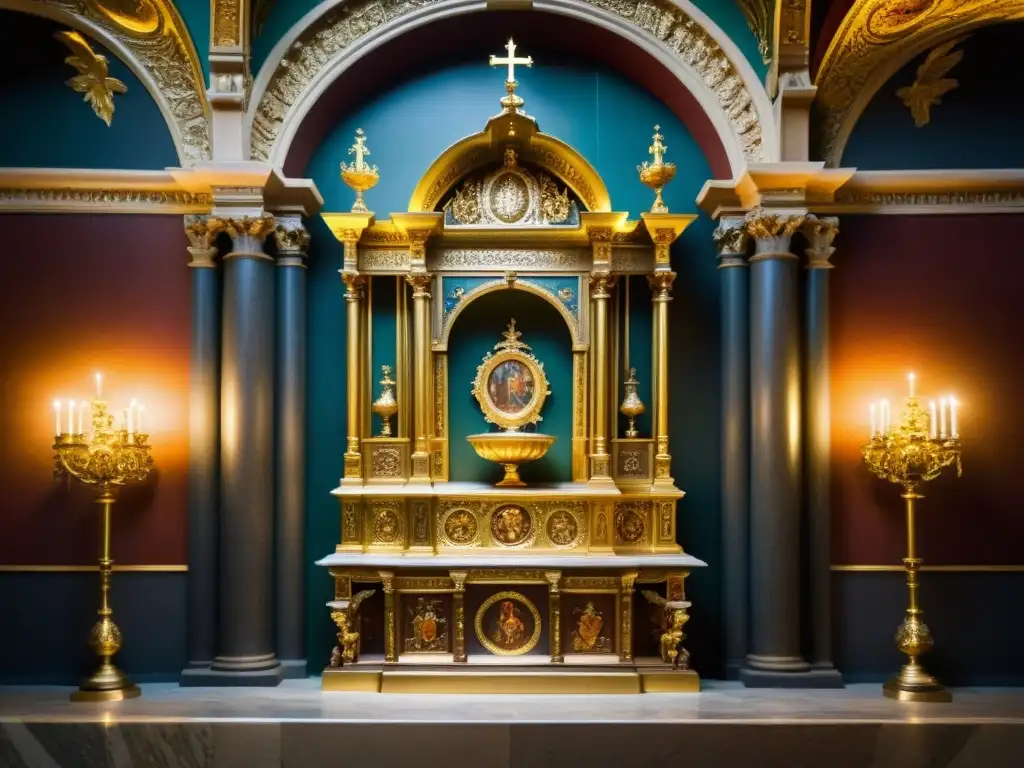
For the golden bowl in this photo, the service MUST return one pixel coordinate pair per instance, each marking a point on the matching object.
(657, 176)
(359, 181)
(510, 449)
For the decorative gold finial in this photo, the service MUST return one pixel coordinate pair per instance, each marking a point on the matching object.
(360, 175)
(632, 406)
(510, 338)
(511, 102)
(92, 78)
(386, 406)
(659, 173)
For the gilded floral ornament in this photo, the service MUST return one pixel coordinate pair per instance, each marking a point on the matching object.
(92, 79)
(931, 82)
(876, 39)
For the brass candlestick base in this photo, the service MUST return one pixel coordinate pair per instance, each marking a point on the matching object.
(107, 683)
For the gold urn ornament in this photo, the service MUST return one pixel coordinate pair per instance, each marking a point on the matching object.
(659, 173)
(632, 406)
(360, 175)
(386, 405)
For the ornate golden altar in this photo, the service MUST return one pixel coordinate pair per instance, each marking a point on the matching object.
(443, 584)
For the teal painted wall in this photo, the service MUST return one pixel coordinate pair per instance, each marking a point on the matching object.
(475, 332)
(281, 16)
(48, 124)
(609, 120)
(977, 125)
(196, 14)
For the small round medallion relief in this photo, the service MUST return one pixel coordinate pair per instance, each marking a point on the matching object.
(511, 525)
(460, 526)
(509, 198)
(386, 527)
(630, 526)
(562, 528)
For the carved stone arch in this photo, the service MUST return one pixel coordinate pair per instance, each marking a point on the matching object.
(500, 284)
(874, 43)
(337, 33)
(155, 45)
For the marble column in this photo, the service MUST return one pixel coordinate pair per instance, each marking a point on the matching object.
(246, 643)
(732, 241)
(820, 232)
(290, 426)
(203, 448)
(774, 656)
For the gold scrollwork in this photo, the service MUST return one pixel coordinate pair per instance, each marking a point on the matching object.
(350, 522)
(666, 511)
(430, 583)
(631, 522)
(459, 523)
(386, 461)
(589, 583)
(510, 627)
(92, 79)
(506, 575)
(602, 528)
(562, 528)
(388, 522)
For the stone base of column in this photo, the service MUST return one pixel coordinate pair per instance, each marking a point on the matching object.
(787, 672)
(208, 676)
(294, 669)
(733, 667)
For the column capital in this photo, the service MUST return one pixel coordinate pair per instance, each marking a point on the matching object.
(554, 579)
(661, 285)
(601, 284)
(354, 284)
(420, 282)
(731, 240)
(292, 239)
(247, 233)
(820, 231)
(201, 245)
(772, 231)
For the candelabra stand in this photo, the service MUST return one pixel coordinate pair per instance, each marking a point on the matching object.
(908, 456)
(107, 461)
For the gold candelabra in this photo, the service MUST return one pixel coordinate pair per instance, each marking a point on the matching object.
(911, 454)
(106, 459)
(386, 406)
(659, 173)
(360, 175)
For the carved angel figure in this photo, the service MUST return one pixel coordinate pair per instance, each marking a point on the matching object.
(92, 80)
(931, 84)
(347, 650)
(672, 622)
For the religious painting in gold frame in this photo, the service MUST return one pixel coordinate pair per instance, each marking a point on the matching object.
(510, 383)
(508, 624)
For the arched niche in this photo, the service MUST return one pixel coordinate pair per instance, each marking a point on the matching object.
(474, 334)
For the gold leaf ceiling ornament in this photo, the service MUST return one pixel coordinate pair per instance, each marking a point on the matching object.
(298, 77)
(151, 39)
(931, 83)
(92, 79)
(876, 39)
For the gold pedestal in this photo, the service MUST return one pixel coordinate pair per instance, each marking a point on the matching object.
(914, 684)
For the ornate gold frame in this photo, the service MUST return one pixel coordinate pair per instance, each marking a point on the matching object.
(511, 349)
(478, 624)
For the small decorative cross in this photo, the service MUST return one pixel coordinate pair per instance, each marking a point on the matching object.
(360, 150)
(511, 60)
(658, 148)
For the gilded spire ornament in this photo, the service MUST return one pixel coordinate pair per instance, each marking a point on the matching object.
(659, 173)
(511, 102)
(360, 175)
(92, 78)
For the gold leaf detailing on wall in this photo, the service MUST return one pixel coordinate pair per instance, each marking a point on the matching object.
(92, 79)
(226, 31)
(554, 205)
(466, 204)
(73, 200)
(328, 39)
(931, 83)
(165, 52)
(876, 39)
(759, 15)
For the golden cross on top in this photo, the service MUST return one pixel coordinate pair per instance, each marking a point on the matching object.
(359, 149)
(511, 60)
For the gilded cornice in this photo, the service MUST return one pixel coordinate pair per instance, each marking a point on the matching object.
(333, 36)
(773, 185)
(876, 39)
(52, 190)
(156, 45)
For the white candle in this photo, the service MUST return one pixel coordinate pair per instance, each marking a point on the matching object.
(71, 416)
(56, 411)
(953, 431)
(942, 417)
(131, 415)
(874, 421)
(99, 386)
(910, 381)
(81, 417)
(933, 424)
(138, 418)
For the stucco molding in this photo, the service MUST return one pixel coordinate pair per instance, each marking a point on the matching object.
(926, 193)
(878, 38)
(790, 185)
(331, 37)
(157, 48)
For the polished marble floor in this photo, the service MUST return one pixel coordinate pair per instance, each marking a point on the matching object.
(297, 725)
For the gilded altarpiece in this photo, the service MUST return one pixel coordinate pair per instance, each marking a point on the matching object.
(483, 581)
